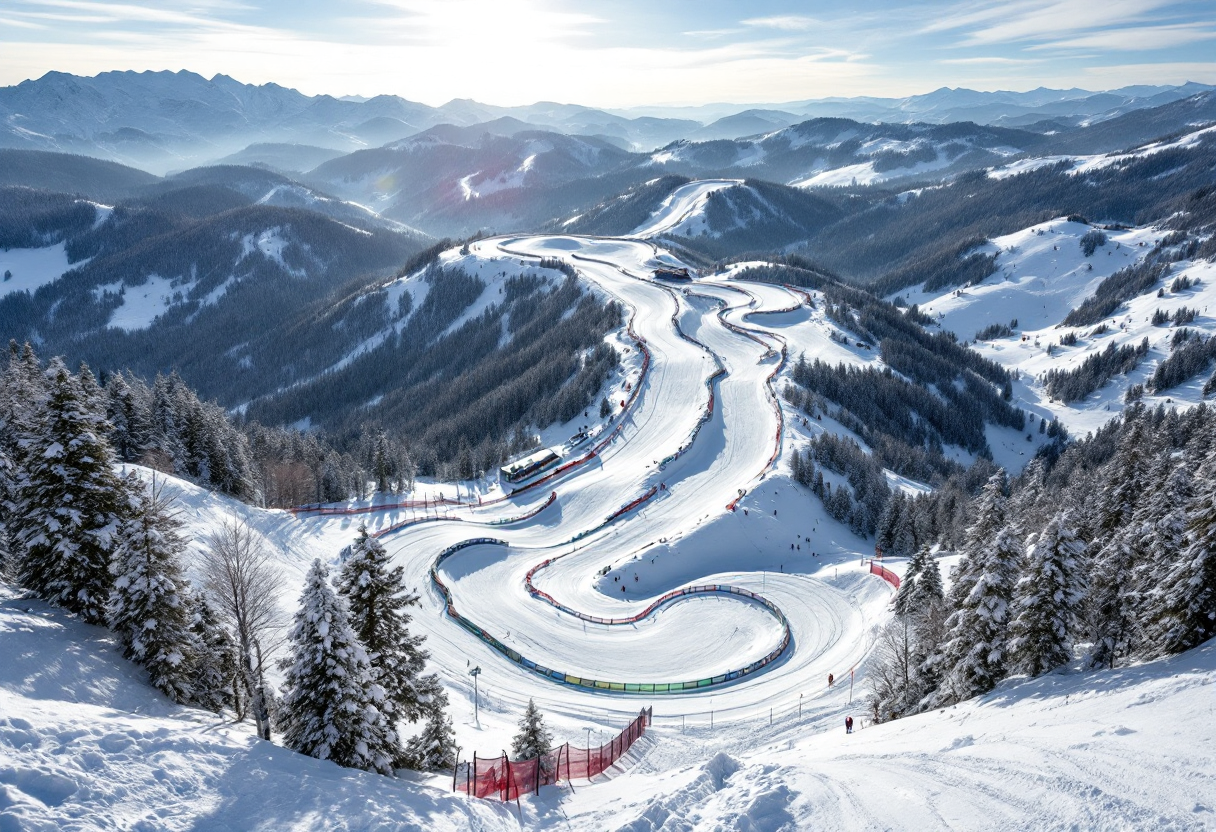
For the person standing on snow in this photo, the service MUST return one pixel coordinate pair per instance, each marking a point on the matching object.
(848, 724)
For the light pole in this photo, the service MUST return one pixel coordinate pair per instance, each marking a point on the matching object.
(475, 672)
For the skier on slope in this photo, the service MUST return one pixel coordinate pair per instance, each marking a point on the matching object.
(848, 724)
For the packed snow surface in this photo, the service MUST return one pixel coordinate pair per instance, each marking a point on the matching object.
(85, 745)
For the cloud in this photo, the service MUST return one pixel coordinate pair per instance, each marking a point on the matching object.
(711, 34)
(990, 59)
(1137, 39)
(1042, 20)
(20, 24)
(788, 22)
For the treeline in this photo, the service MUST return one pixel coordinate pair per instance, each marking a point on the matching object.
(878, 400)
(1121, 286)
(997, 330)
(1106, 553)
(955, 264)
(167, 427)
(860, 510)
(1134, 280)
(464, 399)
(1074, 385)
(1192, 355)
(880, 321)
(110, 549)
(791, 269)
(935, 359)
(31, 218)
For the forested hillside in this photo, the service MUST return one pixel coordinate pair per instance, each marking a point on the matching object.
(1106, 550)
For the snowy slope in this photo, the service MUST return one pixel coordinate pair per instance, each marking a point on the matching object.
(31, 267)
(85, 743)
(1069, 750)
(1042, 273)
(683, 212)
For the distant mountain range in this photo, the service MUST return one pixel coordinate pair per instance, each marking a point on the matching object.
(506, 175)
(163, 121)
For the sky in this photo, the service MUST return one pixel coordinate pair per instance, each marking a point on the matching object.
(621, 53)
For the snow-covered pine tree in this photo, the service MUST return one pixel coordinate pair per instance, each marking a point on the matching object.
(884, 538)
(148, 608)
(1162, 527)
(988, 510)
(975, 645)
(907, 584)
(905, 531)
(128, 410)
(906, 667)
(434, 748)
(7, 484)
(928, 611)
(167, 422)
(972, 654)
(1110, 606)
(928, 590)
(214, 671)
(1116, 501)
(1047, 600)
(533, 738)
(1182, 613)
(331, 708)
(94, 397)
(23, 388)
(1122, 527)
(378, 599)
(70, 503)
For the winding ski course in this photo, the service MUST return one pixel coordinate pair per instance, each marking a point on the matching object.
(525, 576)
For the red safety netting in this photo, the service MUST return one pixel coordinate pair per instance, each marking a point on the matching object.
(505, 779)
(884, 573)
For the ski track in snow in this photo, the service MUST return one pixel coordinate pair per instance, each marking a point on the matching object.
(84, 744)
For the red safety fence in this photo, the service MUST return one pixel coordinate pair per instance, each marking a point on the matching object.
(506, 779)
(884, 573)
